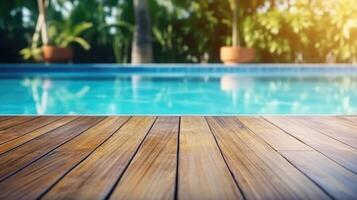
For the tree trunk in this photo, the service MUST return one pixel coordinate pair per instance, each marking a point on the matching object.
(141, 47)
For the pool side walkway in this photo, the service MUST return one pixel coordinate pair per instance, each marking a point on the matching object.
(275, 157)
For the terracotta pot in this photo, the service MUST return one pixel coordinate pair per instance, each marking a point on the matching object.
(57, 54)
(234, 55)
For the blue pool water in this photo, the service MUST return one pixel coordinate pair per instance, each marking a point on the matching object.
(178, 89)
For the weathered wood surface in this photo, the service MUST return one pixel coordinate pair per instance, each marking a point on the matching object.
(336, 150)
(95, 176)
(260, 170)
(2, 118)
(14, 121)
(26, 127)
(152, 172)
(178, 157)
(327, 174)
(19, 158)
(33, 134)
(202, 170)
(35, 179)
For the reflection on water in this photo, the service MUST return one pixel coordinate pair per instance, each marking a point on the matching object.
(39, 90)
(227, 94)
(233, 84)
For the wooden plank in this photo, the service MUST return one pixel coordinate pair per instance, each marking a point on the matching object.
(335, 127)
(337, 181)
(19, 158)
(203, 173)
(31, 135)
(260, 171)
(95, 176)
(26, 127)
(34, 180)
(273, 135)
(335, 150)
(152, 172)
(13, 121)
(352, 119)
(3, 118)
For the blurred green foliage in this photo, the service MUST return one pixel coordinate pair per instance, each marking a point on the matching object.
(63, 34)
(193, 31)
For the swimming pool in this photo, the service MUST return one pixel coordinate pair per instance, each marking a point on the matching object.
(108, 89)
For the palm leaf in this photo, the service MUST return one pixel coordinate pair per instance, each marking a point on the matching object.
(81, 27)
(82, 42)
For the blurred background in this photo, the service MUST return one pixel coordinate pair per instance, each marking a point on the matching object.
(184, 31)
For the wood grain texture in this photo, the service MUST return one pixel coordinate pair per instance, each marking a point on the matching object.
(95, 176)
(3, 118)
(334, 127)
(260, 171)
(337, 181)
(352, 119)
(277, 138)
(147, 158)
(34, 180)
(26, 127)
(152, 172)
(339, 152)
(202, 172)
(20, 157)
(31, 135)
(13, 121)
(334, 179)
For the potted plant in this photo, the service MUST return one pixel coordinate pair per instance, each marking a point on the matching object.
(61, 36)
(235, 53)
(56, 38)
